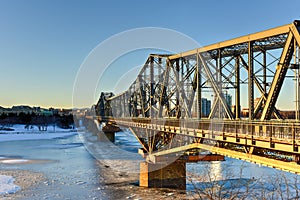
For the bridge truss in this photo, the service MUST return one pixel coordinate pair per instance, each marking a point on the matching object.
(171, 88)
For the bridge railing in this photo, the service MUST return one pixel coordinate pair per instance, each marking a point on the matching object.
(284, 130)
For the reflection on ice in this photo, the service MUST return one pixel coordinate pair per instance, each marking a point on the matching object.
(216, 170)
(240, 179)
(13, 161)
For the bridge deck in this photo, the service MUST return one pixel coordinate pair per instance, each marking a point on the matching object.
(271, 143)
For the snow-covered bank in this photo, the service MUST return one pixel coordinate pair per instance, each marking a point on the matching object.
(20, 133)
(30, 136)
(7, 185)
(22, 128)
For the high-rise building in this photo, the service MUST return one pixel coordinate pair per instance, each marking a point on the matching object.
(206, 106)
(228, 99)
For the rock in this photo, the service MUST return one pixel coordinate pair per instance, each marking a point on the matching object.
(129, 197)
(80, 182)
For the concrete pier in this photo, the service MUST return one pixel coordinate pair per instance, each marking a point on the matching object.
(109, 132)
(163, 175)
(110, 136)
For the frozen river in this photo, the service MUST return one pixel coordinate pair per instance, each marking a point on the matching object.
(72, 172)
(69, 169)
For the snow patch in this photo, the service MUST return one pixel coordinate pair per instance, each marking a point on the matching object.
(34, 136)
(13, 161)
(7, 185)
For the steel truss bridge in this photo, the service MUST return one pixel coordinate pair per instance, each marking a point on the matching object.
(164, 106)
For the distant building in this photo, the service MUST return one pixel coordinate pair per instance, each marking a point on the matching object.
(206, 106)
(228, 99)
(27, 110)
(63, 112)
(46, 112)
(245, 112)
(24, 109)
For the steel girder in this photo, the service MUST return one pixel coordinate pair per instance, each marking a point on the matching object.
(281, 70)
(173, 85)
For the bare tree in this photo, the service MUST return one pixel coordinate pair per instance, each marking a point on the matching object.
(234, 185)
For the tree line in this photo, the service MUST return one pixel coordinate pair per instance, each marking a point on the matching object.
(63, 121)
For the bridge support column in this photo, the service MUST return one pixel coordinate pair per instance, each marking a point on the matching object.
(296, 159)
(90, 126)
(163, 175)
(108, 133)
(110, 136)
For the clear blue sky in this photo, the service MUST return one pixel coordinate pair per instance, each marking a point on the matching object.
(43, 43)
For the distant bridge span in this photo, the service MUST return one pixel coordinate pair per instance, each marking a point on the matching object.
(163, 107)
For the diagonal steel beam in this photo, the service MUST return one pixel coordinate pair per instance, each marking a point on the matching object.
(277, 82)
(227, 78)
(193, 93)
(182, 96)
(261, 90)
(213, 108)
(144, 145)
(141, 91)
(295, 28)
(164, 88)
(215, 87)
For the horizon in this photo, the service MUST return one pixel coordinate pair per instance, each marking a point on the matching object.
(44, 44)
(36, 106)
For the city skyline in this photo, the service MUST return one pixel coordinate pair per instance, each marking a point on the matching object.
(43, 44)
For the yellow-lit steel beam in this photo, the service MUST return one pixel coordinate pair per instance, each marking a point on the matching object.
(240, 40)
(295, 28)
(278, 164)
(281, 70)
